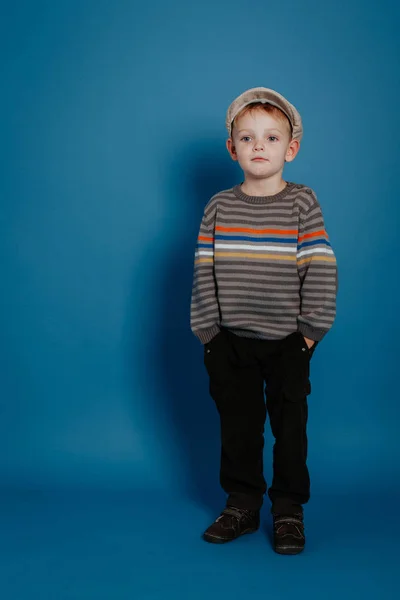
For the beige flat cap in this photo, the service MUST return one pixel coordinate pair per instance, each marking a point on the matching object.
(262, 94)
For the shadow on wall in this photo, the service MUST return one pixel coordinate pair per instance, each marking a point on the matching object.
(192, 423)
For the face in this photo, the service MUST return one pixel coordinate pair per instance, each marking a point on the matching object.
(261, 144)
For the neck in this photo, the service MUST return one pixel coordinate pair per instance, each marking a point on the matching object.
(264, 187)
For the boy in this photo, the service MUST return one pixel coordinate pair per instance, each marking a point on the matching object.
(264, 295)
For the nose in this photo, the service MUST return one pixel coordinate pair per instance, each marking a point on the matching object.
(258, 145)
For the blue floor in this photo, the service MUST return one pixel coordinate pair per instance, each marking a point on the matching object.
(127, 545)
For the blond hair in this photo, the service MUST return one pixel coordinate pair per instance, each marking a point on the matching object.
(272, 110)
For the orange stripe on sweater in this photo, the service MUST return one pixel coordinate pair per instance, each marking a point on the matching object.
(249, 230)
(307, 236)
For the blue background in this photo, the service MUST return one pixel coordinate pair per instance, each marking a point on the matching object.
(112, 142)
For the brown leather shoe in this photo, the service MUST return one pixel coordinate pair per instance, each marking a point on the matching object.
(232, 523)
(289, 535)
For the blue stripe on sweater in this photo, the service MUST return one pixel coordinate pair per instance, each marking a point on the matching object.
(315, 243)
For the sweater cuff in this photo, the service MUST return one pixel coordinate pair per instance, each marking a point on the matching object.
(206, 335)
(310, 332)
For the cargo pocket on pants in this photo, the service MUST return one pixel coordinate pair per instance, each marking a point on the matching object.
(217, 358)
(296, 367)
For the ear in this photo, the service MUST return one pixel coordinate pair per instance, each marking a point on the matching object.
(231, 148)
(292, 151)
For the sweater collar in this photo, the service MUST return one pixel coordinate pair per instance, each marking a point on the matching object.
(237, 190)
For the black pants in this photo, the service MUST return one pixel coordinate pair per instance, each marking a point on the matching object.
(238, 369)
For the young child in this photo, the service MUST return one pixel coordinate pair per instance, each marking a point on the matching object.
(264, 294)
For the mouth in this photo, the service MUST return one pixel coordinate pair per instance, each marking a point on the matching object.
(259, 159)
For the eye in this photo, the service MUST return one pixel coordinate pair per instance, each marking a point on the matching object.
(245, 138)
(272, 137)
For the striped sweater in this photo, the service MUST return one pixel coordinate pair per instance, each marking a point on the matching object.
(264, 266)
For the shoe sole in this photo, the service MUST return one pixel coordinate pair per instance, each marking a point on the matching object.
(288, 550)
(218, 540)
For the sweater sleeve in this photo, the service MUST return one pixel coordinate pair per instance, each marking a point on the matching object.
(317, 270)
(204, 309)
